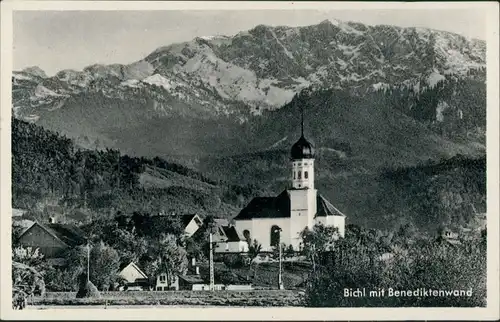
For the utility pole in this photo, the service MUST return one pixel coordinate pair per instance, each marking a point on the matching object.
(212, 279)
(280, 274)
(88, 262)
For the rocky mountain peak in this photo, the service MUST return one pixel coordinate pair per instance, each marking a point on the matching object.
(35, 71)
(264, 68)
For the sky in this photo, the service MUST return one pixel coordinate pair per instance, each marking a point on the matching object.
(57, 40)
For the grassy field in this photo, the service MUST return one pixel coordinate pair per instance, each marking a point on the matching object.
(283, 298)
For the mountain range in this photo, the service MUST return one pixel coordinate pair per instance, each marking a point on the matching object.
(374, 97)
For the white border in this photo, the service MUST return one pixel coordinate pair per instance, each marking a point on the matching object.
(491, 312)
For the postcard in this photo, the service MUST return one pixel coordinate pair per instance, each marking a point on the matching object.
(249, 160)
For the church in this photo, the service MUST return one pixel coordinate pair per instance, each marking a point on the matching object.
(284, 217)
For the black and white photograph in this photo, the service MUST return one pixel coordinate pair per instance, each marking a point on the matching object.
(273, 155)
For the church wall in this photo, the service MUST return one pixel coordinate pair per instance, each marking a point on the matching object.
(335, 221)
(321, 220)
(339, 222)
(260, 229)
(242, 225)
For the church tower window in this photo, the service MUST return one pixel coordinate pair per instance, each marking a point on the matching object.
(300, 174)
(294, 175)
(305, 175)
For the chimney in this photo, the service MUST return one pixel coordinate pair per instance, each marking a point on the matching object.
(197, 270)
(193, 262)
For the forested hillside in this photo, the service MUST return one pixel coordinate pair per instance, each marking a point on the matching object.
(48, 170)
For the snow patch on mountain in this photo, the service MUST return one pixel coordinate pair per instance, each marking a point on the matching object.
(19, 76)
(346, 28)
(43, 92)
(160, 81)
(289, 54)
(434, 78)
(131, 83)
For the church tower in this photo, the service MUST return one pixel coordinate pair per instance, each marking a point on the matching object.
(302, 193)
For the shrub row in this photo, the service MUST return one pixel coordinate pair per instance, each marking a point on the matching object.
(244, 298)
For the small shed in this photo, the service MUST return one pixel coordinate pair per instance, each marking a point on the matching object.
(190, 282)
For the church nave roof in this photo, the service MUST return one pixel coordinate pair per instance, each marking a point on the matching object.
(279, 207)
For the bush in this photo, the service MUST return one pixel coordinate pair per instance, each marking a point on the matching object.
(234, 260)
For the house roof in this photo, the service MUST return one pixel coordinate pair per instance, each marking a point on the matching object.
(186, 219)
(192, 279)
(134, 266)
(68, 234)
(267, 207)
(221, 221)
(231, 233)
(279, 207)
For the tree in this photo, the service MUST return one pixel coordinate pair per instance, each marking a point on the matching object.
(289, 251)
(25, 280)
(439, 266)
(104, 265)
(253, 251)
(28, 256)
(167, 257)
(33, 262)
(59, 280)
(317, 241)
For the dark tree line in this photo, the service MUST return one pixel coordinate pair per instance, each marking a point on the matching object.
(46, 165)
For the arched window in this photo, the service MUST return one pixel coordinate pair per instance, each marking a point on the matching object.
(306, 175)
(275, 235)
(246, 234)
(294, 175)
(300, 175)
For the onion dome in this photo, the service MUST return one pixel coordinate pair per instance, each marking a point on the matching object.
(302, 149)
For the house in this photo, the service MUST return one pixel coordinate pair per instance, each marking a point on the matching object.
(450, 237)
(191, 224)
(448, 234)
(162, 283)
(221, 222)
(281, 219)
(52, 239)
(179, 281)
(134, 277)
(229, 240)
(191, 282)
(17, 213)
(192, 279)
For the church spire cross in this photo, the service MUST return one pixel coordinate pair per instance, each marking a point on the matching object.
(302, 120)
